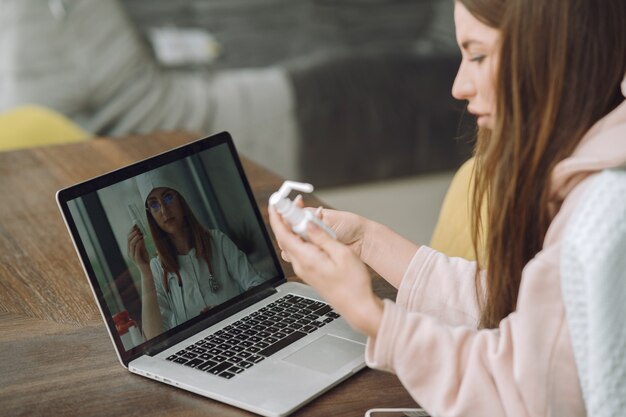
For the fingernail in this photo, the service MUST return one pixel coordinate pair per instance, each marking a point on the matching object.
(318, 212)
(298, 197)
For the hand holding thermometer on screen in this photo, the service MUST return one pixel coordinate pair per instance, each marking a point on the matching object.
(297, 217)
(135, 218)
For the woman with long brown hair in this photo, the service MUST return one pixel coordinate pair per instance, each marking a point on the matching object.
(490, 337)
(195, 268)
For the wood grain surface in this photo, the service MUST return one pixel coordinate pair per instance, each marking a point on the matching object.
(55, 354)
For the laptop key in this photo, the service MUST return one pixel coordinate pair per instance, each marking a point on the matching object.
(216, 370)
(308, 328)
(227, 375)
(235, 369)
(283, 343)
(255, 358)
(206, 365)
(194, 362)
(323, 310)
(171, 358)
(180, 360)
(246, 364)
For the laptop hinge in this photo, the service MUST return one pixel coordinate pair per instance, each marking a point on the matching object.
(209, 321)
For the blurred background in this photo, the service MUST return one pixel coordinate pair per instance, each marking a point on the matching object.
(350, 95)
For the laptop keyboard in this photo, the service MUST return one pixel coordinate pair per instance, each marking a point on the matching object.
(243, 344)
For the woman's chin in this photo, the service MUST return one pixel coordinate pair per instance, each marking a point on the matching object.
(485, 121)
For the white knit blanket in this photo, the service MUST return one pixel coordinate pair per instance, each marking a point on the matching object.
(593, 278)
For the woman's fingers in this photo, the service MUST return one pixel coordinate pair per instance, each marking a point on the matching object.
(283, 233)
(304, 256)
(135, 244)
(323, 240)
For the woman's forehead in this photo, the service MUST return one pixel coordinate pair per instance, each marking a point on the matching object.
(158, 192)
(470, 30)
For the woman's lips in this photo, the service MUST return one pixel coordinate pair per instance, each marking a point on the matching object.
(477, 113)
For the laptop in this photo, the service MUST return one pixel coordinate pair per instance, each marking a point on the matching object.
(190, 287)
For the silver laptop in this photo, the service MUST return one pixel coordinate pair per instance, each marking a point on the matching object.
(191, 290)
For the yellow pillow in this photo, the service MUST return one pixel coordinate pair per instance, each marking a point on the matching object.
(452, 234)
(30, 126)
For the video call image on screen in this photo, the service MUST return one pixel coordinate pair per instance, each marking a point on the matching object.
(172, 243)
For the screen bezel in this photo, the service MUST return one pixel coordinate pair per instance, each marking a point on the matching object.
(214, 315)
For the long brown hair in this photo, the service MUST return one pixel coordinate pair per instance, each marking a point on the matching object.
(560, 69)
(168, 255)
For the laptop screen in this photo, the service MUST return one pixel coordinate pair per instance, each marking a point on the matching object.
(170, 241)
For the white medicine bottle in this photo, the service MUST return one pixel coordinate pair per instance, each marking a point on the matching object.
(297, 217)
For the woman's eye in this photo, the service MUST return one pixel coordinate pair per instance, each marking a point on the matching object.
(168, 198)
(477, 58)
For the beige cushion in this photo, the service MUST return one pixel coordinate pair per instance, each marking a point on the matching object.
(30, 126)
(452, 234)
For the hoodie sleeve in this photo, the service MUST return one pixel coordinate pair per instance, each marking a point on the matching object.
(238, 264)
(440, 286)
(453, 370)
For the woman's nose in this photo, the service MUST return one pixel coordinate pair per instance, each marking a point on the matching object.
(463, 87)
(163, 208)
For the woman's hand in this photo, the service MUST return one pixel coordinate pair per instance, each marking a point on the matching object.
(349, 227)
(334, 270)
(137, 249)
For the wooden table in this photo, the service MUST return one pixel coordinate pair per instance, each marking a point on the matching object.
(55, 355)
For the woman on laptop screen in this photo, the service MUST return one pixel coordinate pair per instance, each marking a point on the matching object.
(195, 268)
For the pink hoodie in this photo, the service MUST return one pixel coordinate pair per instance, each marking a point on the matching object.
(526, 366)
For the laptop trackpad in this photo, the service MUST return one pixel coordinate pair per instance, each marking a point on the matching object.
(326, 354)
